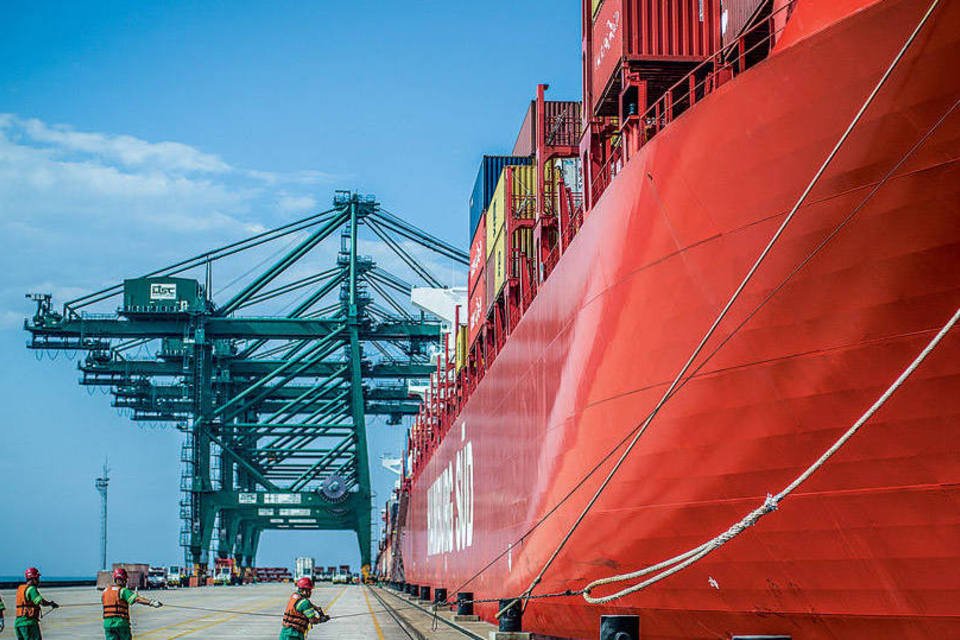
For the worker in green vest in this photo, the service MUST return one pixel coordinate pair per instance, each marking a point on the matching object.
(116, 607)
(3, 623)
(29, 602)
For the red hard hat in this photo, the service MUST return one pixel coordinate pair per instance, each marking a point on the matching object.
(305, 583)
(32, 573)
(119, 573)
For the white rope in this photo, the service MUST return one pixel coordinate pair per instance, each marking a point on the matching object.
(733, 298)
(680, 562)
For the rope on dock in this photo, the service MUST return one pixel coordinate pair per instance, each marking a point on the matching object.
(231, 611)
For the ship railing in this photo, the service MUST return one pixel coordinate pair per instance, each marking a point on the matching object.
(750, 48)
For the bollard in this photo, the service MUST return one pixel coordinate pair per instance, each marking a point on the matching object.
(510, 619)
(619, 627)
(425, 594)
(440, 596)
(465, 603)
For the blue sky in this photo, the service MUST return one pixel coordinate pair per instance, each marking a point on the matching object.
(132, 134)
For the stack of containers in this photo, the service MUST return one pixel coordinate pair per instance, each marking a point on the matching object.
(489, 172)
(483, 189)
(514, 201)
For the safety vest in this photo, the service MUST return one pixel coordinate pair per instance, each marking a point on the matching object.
(293, 618)
(25, 608)
(113, 605)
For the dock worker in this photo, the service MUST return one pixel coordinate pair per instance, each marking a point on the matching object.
(301, 614)
(116, 607)
(3, 623)
(29, 601)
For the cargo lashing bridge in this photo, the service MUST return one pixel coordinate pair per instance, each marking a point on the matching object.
(273, 407)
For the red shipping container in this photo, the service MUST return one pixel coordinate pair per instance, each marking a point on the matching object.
(563, 122)
(606, 45)
(736, 16)
(649, 30)
(477, 309)
(478, 252)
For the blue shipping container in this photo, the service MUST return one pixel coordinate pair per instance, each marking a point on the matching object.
(487, 176)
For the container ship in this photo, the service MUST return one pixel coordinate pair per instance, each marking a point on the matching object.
(704, 272)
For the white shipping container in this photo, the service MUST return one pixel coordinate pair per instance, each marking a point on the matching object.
(304, 568)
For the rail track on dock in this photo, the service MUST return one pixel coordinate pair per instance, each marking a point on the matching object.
(399, 603)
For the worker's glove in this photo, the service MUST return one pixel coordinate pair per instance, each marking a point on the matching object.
(156, 604)
(324, 618)
(54, 605)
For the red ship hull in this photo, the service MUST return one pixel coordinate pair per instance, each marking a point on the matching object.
(869, 547)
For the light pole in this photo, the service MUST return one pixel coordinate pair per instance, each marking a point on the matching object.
(101, 484)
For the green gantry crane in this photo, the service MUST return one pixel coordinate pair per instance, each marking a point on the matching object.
(273, 406)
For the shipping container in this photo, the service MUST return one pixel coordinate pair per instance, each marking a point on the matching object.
(570, 173)
(514, 198)
(477, 309)
(496, 267)
(634, 31)
(162, 296)
(303, 567)
(478, 253)
(486, 182)
(562, 126)
(736, 16)
(462, 346)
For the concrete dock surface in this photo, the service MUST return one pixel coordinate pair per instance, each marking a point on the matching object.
(358, 612)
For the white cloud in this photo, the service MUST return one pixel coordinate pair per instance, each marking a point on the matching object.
(87, 209)
(303, 205)
(126, 150)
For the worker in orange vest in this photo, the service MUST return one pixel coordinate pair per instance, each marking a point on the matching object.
(301, 614)
(116, 607)
(29, 602)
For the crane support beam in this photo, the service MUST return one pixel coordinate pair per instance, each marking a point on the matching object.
(255, 368)
(225, 328)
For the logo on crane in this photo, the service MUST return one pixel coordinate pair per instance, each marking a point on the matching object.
(163, 291)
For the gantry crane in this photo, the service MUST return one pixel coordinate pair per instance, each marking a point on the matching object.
(273, 405)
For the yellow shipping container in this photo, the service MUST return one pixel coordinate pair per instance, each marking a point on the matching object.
(494, 214)
(462, 346)
(524, 193)
(498, 262)
(523, 200)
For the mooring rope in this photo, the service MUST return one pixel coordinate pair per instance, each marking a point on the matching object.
(771, 503)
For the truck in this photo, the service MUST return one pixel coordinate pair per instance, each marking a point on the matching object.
(223, 573)
(174, 576)
(304, 568)
(343, 576)
(157, 578)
